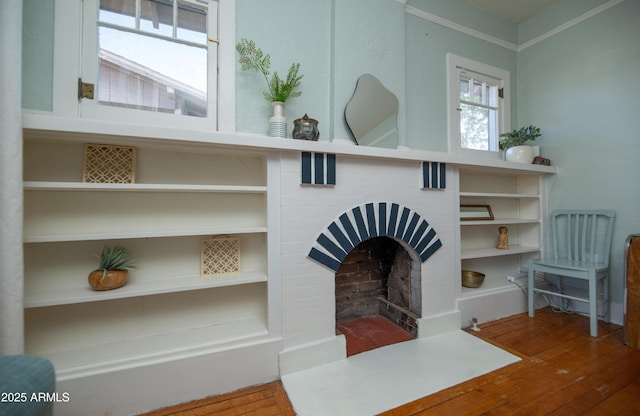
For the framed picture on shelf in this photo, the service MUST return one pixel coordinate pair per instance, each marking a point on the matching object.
(475, 212)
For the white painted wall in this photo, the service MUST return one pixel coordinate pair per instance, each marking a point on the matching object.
(580, 87)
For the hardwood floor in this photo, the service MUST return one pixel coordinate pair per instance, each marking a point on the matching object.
(563, 371)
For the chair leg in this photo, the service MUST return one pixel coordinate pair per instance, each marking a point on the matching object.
(593, 306)
(530, 287)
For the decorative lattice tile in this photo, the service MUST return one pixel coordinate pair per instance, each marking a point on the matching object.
(220, 256)
(109, 164)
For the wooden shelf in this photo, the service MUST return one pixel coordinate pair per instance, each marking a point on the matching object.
(135, 288)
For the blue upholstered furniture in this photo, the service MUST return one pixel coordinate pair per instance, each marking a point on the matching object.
(580, 249)
(22, 376)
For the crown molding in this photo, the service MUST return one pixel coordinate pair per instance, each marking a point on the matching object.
(458, 27)
(596, 10)
(500, 42)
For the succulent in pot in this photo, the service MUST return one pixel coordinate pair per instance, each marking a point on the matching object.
(113, 270)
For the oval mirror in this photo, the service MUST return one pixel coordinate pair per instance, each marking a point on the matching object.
(372, 114)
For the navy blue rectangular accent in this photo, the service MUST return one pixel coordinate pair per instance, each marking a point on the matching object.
(425, 241)
(371, 220)
(393, 218)
(434, 175)
(322, 258)
(411, 228)
(331, 247)
(429, 251)
(403, 222)
(319, 168)
(425, 174)
(306, 167)
(382, 218)
(357, 214)
(346, 223)
(331, 169)
(340, 237)
(416, 237)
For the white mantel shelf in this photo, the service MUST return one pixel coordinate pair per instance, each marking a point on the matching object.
(36, 125)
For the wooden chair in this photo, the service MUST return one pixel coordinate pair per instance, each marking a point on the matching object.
(580, 249)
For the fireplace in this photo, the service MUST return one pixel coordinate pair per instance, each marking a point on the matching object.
(373, 200)
(379, 277)
(377, 295)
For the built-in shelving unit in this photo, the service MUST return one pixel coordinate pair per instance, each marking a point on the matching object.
(517, 202)
(184, 193)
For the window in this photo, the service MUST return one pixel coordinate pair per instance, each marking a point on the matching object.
(478, 105)
(151, 60)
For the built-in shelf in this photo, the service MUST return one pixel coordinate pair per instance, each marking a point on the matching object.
(497, 195)
(492, 285)
(135, 288)
(134, 351)
(500, 221)
(185, 193)
(494, 252)
(517, 202)
(48, 238)
(138, 187)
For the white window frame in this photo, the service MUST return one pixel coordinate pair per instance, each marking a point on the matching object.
(71, 50)
(456, 64)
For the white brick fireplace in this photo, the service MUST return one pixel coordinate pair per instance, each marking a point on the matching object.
(319, 222)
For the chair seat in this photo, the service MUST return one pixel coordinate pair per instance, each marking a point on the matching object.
(569, 264)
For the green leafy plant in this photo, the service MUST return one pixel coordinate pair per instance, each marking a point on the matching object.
(115, 258)
(518, 137)
(253, 59)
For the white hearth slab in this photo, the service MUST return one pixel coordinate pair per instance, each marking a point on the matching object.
(385, 378)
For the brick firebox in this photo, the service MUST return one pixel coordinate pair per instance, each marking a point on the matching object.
(379, 277)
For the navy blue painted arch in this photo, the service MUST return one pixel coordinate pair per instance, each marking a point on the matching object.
(375, 219)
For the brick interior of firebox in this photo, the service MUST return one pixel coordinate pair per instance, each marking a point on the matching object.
(374, 300)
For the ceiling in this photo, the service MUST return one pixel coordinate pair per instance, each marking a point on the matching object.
(513, 10)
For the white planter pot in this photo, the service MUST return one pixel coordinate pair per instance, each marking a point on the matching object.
(278, 123)
(519, 154)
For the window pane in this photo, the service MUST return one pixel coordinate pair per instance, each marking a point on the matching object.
(138, 71)
(464, 89)
(122, 13)
(156, 17)
(192, 23)
(474, 127)
(477, 92)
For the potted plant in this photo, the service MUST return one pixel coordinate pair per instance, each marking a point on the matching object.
(279, 90)
(113, 270)
(514, 145)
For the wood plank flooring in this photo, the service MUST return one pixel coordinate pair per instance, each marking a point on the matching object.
(563, 372)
